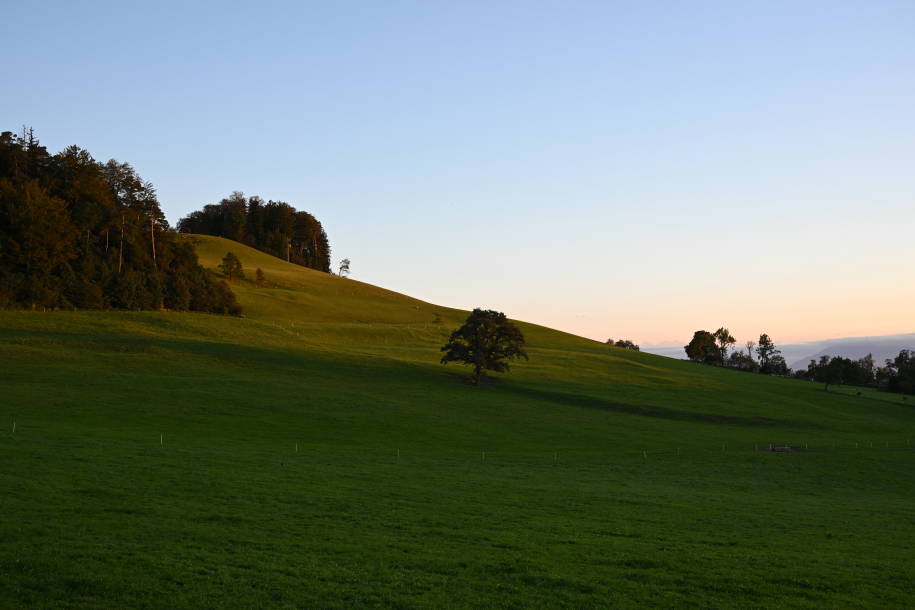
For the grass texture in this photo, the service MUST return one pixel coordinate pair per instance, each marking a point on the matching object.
(314, 453)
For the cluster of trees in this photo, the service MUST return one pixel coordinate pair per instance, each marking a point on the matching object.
(897, 374)
(274, 227)
(624, 343)
(79, 234)
(715, 348)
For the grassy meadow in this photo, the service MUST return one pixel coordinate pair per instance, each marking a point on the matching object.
(315, 453)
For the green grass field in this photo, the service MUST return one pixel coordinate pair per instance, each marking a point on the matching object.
(314, 453)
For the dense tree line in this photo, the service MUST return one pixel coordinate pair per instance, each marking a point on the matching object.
(715, 348)
(79, 234)
(274, 227)
(897, 374)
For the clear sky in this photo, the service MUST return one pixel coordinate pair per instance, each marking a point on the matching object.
(639, 169)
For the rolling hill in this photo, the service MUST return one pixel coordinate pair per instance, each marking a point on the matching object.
(315, 453)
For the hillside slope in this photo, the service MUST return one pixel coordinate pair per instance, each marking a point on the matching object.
(315, 453)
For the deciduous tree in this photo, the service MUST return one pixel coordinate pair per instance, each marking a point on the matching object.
(703, 348)
(724, 340)
(486, 341)
(231, 267)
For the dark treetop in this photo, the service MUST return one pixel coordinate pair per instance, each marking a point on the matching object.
(273, 227)
(79, 234)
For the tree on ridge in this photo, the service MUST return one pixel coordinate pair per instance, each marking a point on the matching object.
(725, 340)
(703, 348)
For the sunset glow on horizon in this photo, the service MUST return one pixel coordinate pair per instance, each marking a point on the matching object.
(637, 171)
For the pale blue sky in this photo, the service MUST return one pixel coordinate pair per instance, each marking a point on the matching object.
(636, 169)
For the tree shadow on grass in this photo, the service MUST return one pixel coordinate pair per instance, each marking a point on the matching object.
(593, 402)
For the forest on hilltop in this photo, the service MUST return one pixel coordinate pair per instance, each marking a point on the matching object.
(79, 234)
(274, 227)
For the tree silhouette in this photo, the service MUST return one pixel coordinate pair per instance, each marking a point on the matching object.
(486, 341)
(274, 227)
(766, 350)
(703, 348)
(725, 340)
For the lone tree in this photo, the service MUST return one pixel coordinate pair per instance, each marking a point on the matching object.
(344, 268)
(231, 267)
(486, 341)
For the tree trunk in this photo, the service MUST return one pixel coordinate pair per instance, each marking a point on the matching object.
(152, 235)
(121, 247)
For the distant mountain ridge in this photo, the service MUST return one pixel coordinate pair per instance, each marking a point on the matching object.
(882, 347)
(798, 355)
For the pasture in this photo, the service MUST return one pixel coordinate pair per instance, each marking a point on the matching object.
(314, 453)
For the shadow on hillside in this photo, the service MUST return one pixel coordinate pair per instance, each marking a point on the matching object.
(592, 402)
(167, 350)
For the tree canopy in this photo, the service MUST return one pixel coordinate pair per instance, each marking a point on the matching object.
(274, 227)
(486, 341)
(703, 348)
(79, 234)
(724, 339)
(770, 358)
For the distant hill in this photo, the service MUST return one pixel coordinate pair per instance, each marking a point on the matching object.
(887, 346)
(799, 354)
